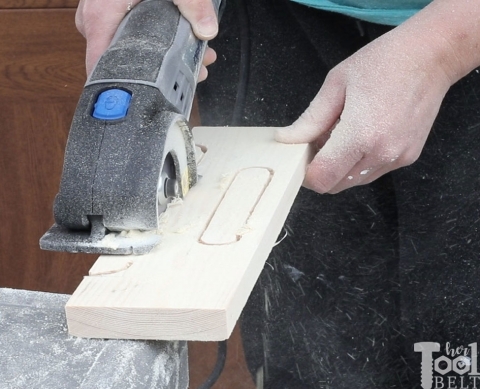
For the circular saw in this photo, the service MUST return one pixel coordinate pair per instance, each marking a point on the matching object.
(130, 150)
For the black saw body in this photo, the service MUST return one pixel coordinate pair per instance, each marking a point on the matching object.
(129, 146)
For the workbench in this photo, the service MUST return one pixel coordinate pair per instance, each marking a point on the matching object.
(36, 352)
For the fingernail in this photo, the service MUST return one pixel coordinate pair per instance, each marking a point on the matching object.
(207, 27)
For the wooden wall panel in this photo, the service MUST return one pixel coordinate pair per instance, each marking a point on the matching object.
(22, 4)
(41, 78)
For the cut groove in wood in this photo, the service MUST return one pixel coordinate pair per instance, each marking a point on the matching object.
(184, 289)
(230, 220)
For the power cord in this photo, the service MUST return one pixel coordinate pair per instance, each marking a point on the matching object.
(219, 365)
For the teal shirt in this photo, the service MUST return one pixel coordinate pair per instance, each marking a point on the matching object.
(390, 12)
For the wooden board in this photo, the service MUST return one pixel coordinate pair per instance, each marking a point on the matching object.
(194, 285)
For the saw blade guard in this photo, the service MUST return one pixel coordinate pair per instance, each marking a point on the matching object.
(113, 168)
(127, 191)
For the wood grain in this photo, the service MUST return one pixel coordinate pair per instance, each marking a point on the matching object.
(39, 4)
(186, 289)
(41, 77)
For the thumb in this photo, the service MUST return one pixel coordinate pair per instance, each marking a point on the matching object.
(201, 15)
(320, 116)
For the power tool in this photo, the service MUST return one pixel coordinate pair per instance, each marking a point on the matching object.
(130, 150)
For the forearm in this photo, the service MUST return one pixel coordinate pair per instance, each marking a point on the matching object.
(449, 33)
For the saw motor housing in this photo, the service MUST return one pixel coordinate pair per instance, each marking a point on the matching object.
(130, 147)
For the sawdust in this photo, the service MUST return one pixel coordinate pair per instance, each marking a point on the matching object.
(245, 229)
(249, 226)
(112, 240)
(164, 216)
(175, 201)
(164, 219)
(136, 233)
(113, 271)
(225, 180)
(281, 239)
(37, 351)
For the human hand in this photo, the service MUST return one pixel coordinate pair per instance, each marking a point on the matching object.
(373, 113)
(98, 20)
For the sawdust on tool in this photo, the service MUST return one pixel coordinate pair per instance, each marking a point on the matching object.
(164, 218)
(111, 240)
(249, 226)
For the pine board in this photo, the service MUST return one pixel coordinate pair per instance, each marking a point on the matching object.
(195, 283)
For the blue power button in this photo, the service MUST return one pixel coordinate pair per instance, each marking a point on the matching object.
(112, 104)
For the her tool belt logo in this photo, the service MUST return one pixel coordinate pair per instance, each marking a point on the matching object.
(455, 369)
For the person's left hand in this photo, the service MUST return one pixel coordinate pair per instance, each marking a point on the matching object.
(373, 113)
(98, 20)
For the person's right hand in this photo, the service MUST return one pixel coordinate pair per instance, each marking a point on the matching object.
(97, 21)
